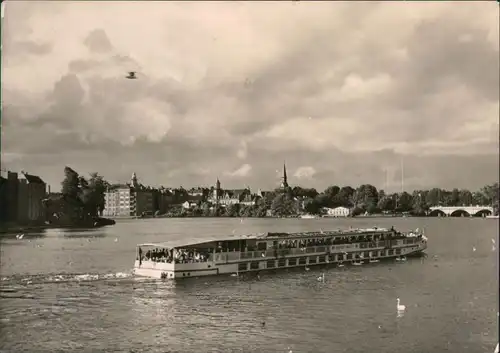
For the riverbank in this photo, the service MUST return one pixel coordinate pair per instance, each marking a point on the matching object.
(264, 217)
(36, 227)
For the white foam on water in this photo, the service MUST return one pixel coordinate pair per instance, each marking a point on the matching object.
(84, 277)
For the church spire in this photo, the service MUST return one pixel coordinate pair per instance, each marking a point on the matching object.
(284, 183)
(217, 191)
(133, 181)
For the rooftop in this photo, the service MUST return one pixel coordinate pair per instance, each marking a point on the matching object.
(179, 243)
(34, 179)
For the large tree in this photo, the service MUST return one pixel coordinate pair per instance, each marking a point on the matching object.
(404, 202)
(345, 196)
(70, 184)
(97, 186)
(283, 205)
(297, 191)
(366, 196)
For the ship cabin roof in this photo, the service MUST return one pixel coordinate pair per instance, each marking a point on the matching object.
(208, 242)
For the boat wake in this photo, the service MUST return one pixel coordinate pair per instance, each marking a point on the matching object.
(57, 278)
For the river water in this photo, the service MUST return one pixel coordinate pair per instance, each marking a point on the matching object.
(72, 291)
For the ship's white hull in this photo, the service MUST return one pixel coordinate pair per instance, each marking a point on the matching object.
(213, 268)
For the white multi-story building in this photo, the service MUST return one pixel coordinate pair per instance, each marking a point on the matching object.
(337, 212)
(125, 200)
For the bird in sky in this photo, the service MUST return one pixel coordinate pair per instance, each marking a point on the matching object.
(131, 75)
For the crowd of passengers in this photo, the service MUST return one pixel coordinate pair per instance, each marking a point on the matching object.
(177, 256)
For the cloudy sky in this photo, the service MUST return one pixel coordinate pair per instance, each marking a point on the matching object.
(342, 92)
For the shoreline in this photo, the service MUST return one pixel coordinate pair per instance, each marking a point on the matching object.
(13, 227)
(19, 228)
(284, 217)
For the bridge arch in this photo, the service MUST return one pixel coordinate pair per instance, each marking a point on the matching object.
(460, 213)
(437, 213)
(482, 213)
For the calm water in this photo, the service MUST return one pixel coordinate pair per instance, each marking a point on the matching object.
(72, 291)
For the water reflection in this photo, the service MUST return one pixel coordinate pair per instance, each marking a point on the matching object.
(76, 232)
(56, 232)
(26, 235)
(156, 312)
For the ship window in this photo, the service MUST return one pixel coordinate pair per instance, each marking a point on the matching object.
(270, 264)
(242, 267)
(254, 265)
(321, 258)
(281, 262)
(398, 251)
(391, 252)
(366, 254)
(312, 260)
(262, 246)
(302, 261)
(349, 256)
(292, 262)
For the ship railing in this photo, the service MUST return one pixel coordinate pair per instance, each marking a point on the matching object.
(227, 256)
(300, 251)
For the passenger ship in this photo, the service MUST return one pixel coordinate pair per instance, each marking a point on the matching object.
(253, 253)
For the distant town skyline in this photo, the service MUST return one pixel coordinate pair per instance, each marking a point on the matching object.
(341, 91)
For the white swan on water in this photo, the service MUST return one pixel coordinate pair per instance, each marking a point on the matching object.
(400, 307)
(19, 236)
(321, 278)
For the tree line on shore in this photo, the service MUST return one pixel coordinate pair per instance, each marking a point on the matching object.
(86, 195)
(364, 199)
(81, 198)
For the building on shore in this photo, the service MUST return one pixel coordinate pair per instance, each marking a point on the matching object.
(163, 198)
(228, 197)
(8, 196)
(197, 191)
(261, 193)
(128, 200)
(249, 200)
(31, 191)
(192, 202)
(337, 212)
(21, 197)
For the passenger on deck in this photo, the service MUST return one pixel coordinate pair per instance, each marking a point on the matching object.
(174, 255)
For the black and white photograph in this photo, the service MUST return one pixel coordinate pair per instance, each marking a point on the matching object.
(249, 176)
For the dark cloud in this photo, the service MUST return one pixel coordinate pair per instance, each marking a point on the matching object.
(98, 42)
(441, 50)
(82, 65)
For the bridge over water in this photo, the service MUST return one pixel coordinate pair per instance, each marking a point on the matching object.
(461, 211)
